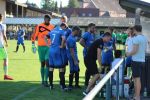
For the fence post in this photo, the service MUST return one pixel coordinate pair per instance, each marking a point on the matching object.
(123, 69)
(108, 89)
(117, 85)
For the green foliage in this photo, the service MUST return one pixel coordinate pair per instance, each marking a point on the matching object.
(50, 5)
(73, 4)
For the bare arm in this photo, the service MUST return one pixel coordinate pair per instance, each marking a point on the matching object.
(99, 56)
(134, 50)
(62, 42)
(82, 42)
(46, 40)
(73, 56)
(5, 38)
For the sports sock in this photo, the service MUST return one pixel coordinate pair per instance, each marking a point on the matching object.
(87, 78)
(71, 79)
(62, 78)
(46, 73)
(5, 70)
(17, 48)
(42, 74)
(77, 78)
(51, 77)
(24, 48)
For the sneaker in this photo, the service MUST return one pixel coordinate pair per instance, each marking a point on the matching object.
(46, 84)
(85, 93)
(6, 77)
(64, 88)
(70, 88)
(51, 87)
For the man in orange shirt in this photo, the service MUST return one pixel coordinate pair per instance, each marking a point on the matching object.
(43, 50)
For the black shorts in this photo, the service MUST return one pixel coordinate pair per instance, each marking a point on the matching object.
(119, 41)
(91, 66)
(137, 68)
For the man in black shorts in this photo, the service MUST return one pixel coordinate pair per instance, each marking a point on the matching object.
(93, 54)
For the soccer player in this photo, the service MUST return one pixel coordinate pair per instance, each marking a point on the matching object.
(3, 53)
(21, 34)
(41, 31)
(55, 60)
(73, 57)
(107, 54)
(86, 40)
(94, 54)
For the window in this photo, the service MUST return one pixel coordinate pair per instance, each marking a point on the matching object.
(83, 14)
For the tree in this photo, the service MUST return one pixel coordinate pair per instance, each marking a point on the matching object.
(49, 5)
(73, 4)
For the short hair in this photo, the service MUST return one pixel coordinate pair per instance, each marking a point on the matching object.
(118, 53)
(63, 24)
(106, 34)
(91, 24)
(76, 28)
(47, 16)
(138, 28)
(1, 16)
(64, 17)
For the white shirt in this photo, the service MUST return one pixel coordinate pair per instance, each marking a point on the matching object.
(129, 44)
(120, 69)
(141, 41)
(1, 35)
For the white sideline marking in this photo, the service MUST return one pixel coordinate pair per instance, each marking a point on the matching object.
(25, 93)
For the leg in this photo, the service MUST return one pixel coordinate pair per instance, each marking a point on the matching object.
(71, 75)
(62, 78)
(17, 48)
(87, 77)
(137, 86)
(51, 77)
(23, 47)
(46, 70)
(77, 80)
(42, 71)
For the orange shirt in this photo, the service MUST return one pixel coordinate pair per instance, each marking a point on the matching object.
(41, 31)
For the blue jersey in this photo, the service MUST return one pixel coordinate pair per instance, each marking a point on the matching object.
(55, 36)
(20, 34)
(71, 43)
(89, 39)
(68, 31)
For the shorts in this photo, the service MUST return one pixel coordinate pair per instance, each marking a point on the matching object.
(119, 41)
(123, 43)
(43, 52)
(3, 53)
(107, 58)
(137, 68)
(128, 61)
(20, 42)
(55, 59)
(91, 66)
(73, 67)
(64, 56)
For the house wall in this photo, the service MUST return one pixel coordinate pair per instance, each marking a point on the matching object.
(3, 8)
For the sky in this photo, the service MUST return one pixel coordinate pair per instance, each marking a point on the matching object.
(38, 2)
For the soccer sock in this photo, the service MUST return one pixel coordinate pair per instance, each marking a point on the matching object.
(5, 70)
(87, 78)
(17, 48)
(77, 78)
(46, 73)
(71, 79)
(23, 48)
(62, 78)
(42, 74)
(51, 77)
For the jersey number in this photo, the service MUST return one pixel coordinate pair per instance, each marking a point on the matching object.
(53, 38)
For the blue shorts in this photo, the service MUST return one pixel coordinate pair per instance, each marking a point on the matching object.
(20, 41)
(64, 56)
(107, 58)
(55, 60)
(73, 67)
(128, 61)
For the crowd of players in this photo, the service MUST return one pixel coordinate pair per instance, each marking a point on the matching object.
(57, 46)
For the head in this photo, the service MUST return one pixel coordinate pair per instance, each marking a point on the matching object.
(130, 31)
(137, 29)
(63, 26)
(64, 19)
(1, 17)
(76, 31)
(118, 53)
(47, 19)
(107, 37)
(91, 28)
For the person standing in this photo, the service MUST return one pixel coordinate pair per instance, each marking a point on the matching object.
(20, 40)
(86, 40)
(138, 54)
(41, 31)
(3, 53)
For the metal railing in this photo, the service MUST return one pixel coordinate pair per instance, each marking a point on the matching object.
(107, 80)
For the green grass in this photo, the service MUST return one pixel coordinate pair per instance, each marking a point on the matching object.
(25, 69)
